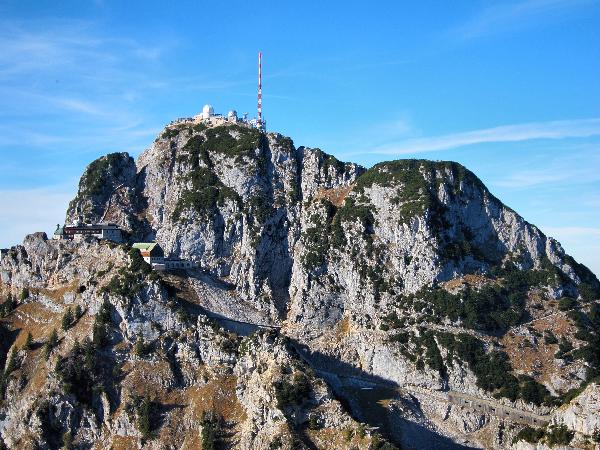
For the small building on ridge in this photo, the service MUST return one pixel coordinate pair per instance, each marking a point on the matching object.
(152, 252)
(108, 231)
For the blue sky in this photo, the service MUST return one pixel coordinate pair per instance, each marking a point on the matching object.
(510, 89)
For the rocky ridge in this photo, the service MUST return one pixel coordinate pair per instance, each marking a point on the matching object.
(409, 274)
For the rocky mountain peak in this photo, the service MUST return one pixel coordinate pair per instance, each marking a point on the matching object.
(322, 293)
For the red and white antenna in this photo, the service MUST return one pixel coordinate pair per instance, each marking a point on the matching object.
(259, 89)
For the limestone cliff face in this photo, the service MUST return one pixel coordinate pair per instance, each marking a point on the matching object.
(410, 274)
(270, 219)
(582, 414)
(138, 338)
(108, 180)
(229, 198)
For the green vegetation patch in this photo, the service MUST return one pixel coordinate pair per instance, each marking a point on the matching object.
(559, 435)
(170, 132)
(329, 164)
(492, 308)
(206, 193)
(354, 209)
(529, 434)
(589, 289)
(493, 370)
(317, 238)
(326, 232)
(84, 372)
(587, 321)
(293, 392)
(130, 280)
(97, 174)
(146, 413)
(211, 431)
(247, 140)
(417, 182)
(258, 209)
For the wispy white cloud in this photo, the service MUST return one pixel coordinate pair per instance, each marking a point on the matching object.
(68, 87)
(584, 242)
(552, 174)
(26, 211)
(60, 46)
(572, 165)
(573, 231)
(348, 143)
(507, 133)
(510, 16)
(131, 137)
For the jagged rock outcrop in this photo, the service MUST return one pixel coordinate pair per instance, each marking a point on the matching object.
(410, 275)
(109, 179)
(139, 365)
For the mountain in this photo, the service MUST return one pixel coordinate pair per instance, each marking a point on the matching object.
(333, 306)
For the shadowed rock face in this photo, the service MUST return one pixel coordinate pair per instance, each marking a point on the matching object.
(410, 273)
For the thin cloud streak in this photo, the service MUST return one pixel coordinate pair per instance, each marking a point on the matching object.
(508, 133)
(60, 45)
(573, 231)
(581, 241)
(516, 15)
(551, 175)
(26, 211)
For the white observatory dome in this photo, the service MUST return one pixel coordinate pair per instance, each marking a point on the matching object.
(207, 111)
(232, 114)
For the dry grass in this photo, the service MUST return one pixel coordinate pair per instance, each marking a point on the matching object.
(342, 328)
(146, 377)
(35, 318)
(217, 395)
(336, 439)
(124, 443)
(188, 407)
(560, 325)
(470, 280)
(184, 407)
(28, 442)
(538, 360)
(57, 294)
(336, 195)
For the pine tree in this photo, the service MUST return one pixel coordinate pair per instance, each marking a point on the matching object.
(140, 346)
(7, 307)
(210, 430)
(50, 344)
(47, 351)
(53, 340)
(67, 439)
(90, 354)
(104, 314)
(145, 417)
(29, 342)
(78, 312)
(67, 319)
(76, 347)
(99, 334)
(11, 364)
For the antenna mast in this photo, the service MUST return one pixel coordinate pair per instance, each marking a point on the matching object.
(259, 89)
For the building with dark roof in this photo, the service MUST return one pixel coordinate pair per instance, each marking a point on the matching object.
(108, 231)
